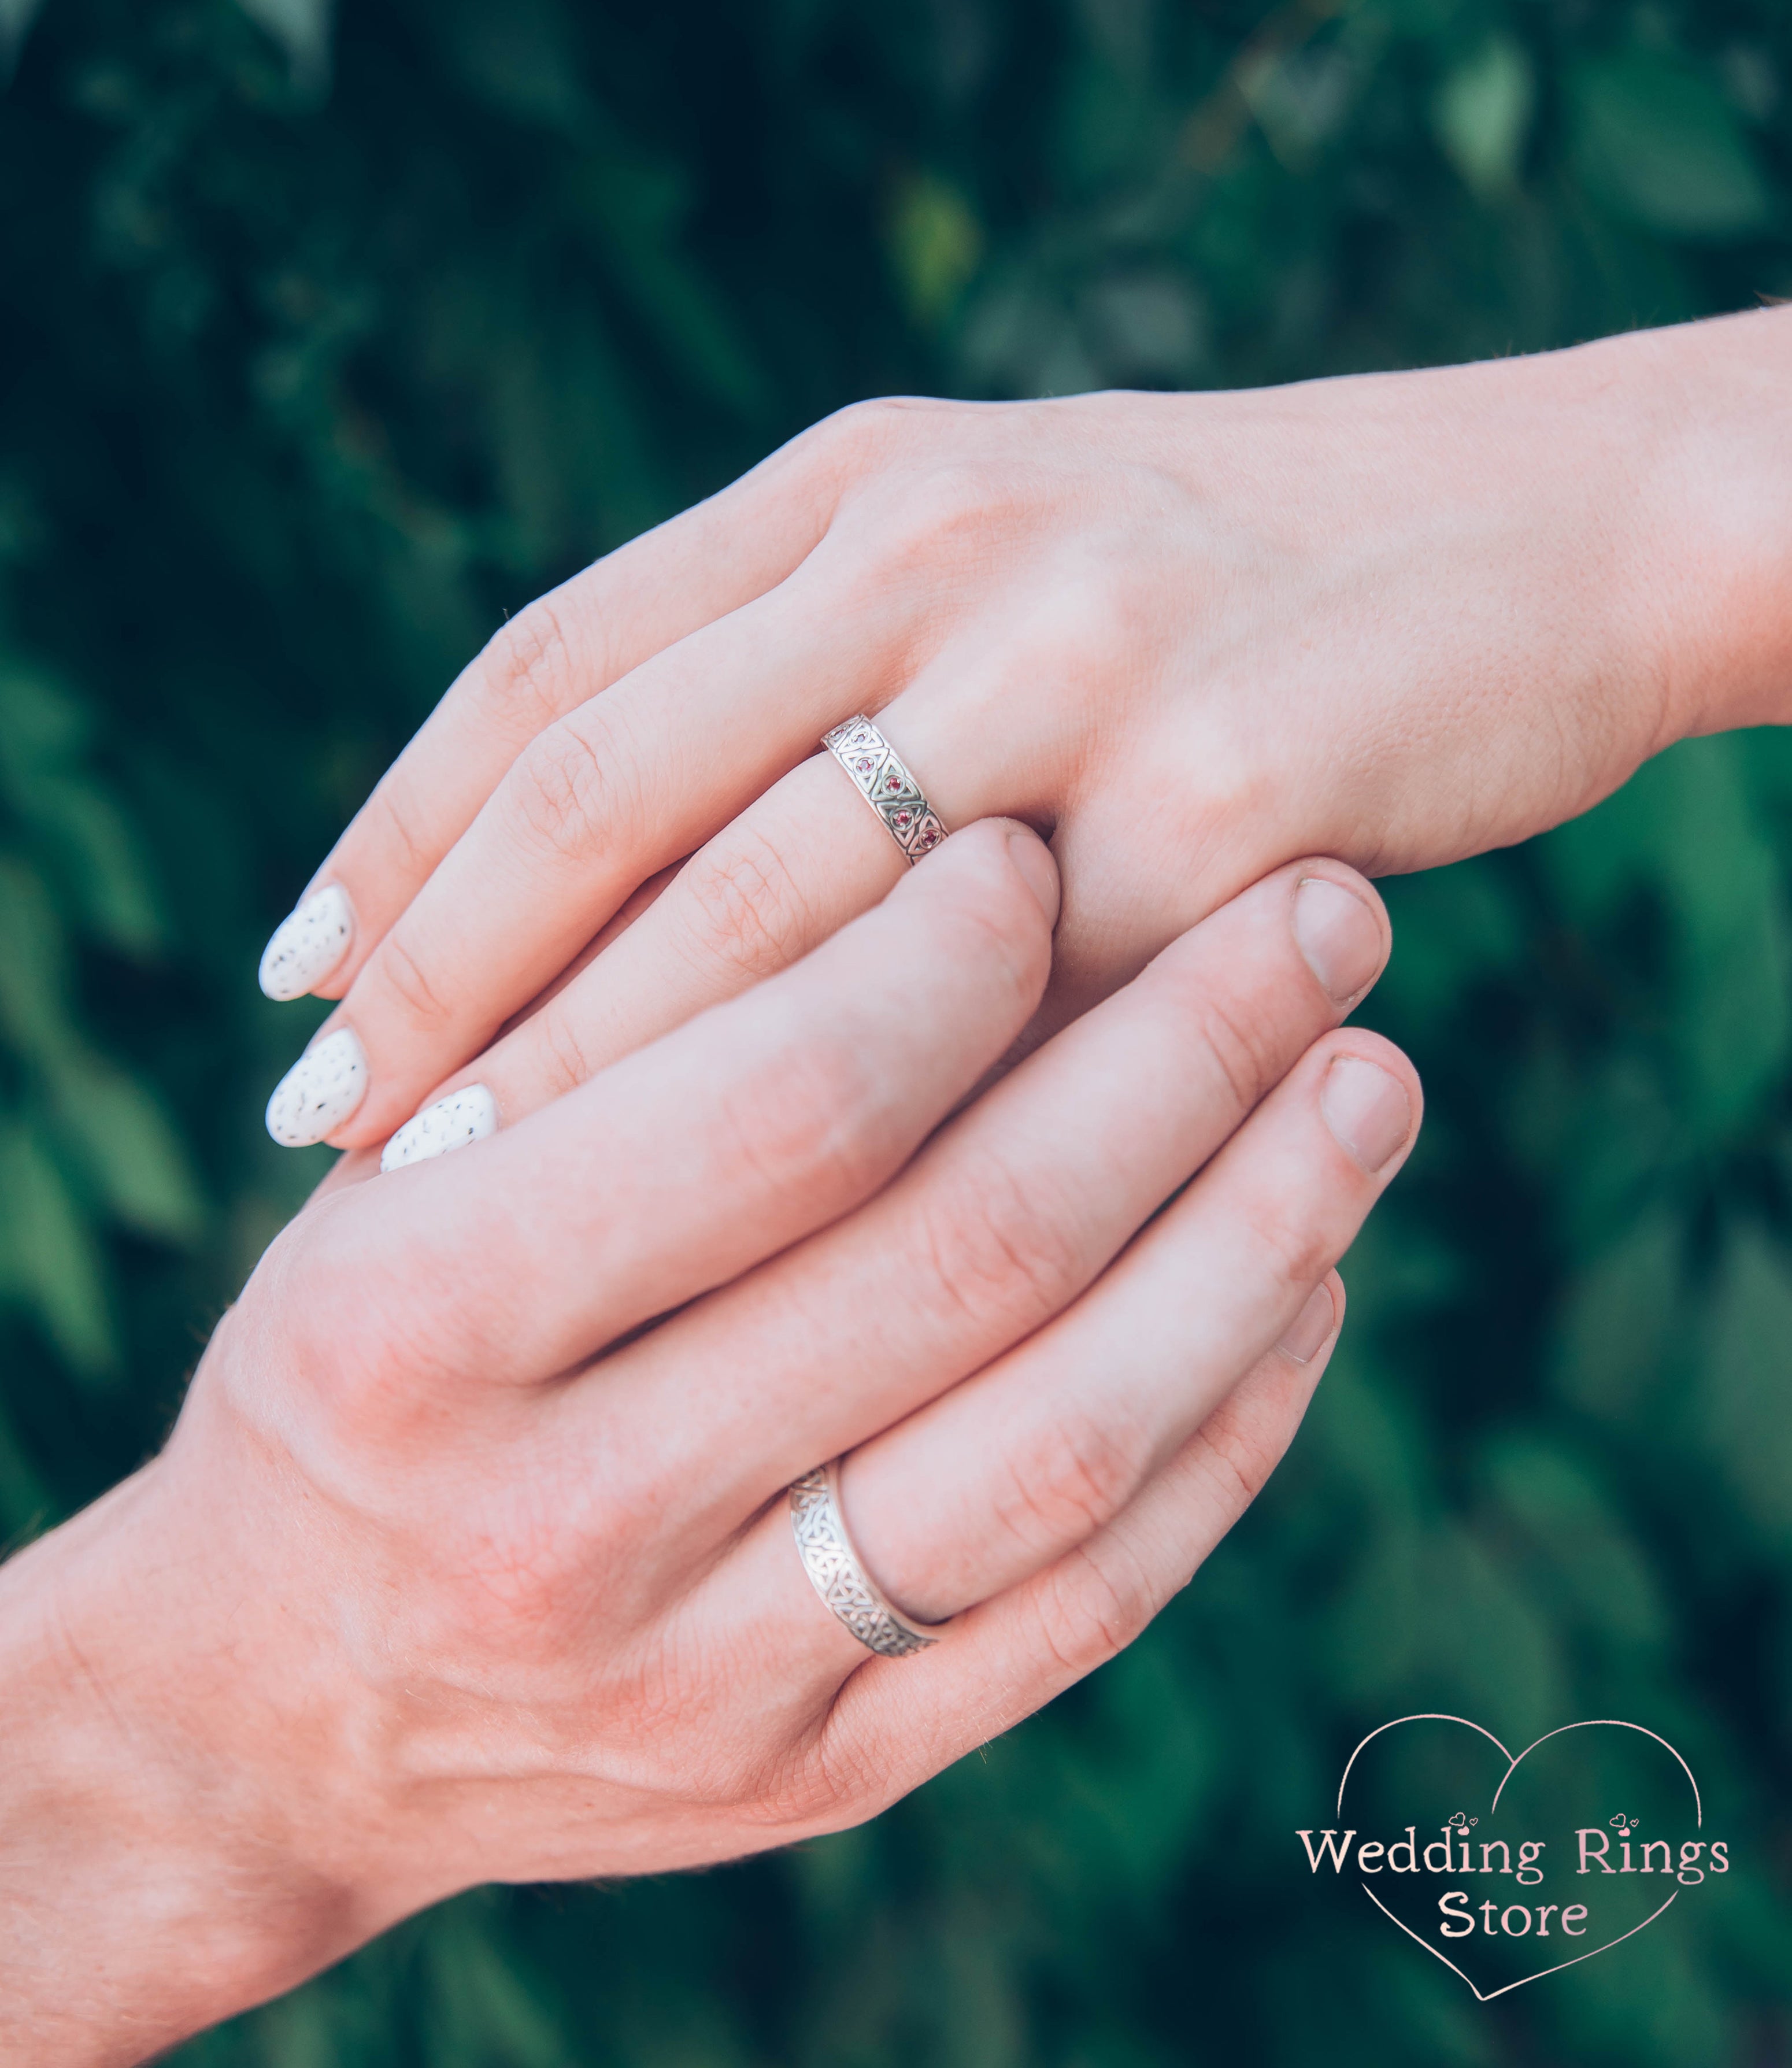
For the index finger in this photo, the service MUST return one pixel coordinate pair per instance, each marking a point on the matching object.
(679, 1167)
(563, 649)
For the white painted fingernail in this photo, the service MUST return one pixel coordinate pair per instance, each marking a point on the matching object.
(307, 946)
(320, 1092)
(465, 1115)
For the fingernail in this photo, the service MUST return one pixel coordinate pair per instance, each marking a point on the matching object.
(1338, 936)
(1312, 1326)
(1035, 863)
(309, 944)
(464, 1116)
(1367, 1109)
(320, 1092)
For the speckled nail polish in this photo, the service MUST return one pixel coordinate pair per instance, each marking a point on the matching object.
(320, 1092)
(307, 947)
(464, 1116)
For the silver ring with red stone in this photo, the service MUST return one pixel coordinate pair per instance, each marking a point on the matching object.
(838, 1578)
(886, 786)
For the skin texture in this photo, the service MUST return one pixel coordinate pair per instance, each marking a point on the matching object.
(469, 1558)
(1399, 618)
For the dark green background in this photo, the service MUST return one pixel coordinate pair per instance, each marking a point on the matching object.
(322, 345)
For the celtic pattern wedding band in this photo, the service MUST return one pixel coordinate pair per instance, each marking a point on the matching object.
(886, 786)
(836, 1575)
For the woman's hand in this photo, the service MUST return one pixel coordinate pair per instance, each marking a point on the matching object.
(432, 1587)
(1398, 619)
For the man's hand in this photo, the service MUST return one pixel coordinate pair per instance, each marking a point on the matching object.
(469, 1556)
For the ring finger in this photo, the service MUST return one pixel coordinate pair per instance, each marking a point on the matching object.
(798, 864)
(1009, 1215)
(997, 1480)
(577, 823)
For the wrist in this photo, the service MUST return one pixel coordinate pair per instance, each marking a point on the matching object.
(153, 1881)
(1704, 412)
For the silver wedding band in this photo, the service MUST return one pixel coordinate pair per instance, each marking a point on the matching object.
(886, 786)
(838, 1578)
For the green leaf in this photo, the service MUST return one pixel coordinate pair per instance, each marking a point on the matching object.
(44, 734)
(487, 2014)
(16, 18)
(1686, 831)
(1453, 929)
(52, 1264)
(1587, 1566)
(82, 826)
(639, 216)
(27, 1505)
(131, 1151)
(302, 29)
(1659, 141)
(1615, 1343)
(33, 1015)
(935, 244)
(1482, 115)
(521, 57)
(298, 2032)
(1743, 1407)
(42, 726)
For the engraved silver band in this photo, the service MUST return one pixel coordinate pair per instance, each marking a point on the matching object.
(886, 786)
(836, 1575)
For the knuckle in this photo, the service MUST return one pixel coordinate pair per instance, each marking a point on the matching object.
(743, 905)
(403, 976)
(1092, 1604)
(562, 1057)
(416, 856)
(416, 1340)
(1007, 932)
(863, 432)
(1241, 1045)
(1089, 605)
(825, 1783)
(1238, 1452)
(1292, 1247)
(1066, 1479)
(562, 1545)
(529, 673)
(946, 512)
(362, 1347)
(1107, 600)
(573, 791)
(1001, 1249)
(810, 1120)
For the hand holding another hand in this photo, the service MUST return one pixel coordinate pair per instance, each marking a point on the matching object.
(470, 1557)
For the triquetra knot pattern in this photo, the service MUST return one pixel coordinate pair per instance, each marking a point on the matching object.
(886, 786)
(835, 1575)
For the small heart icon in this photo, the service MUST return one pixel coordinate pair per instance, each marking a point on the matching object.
(1541, 1870)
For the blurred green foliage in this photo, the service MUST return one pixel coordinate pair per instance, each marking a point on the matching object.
(323, 343)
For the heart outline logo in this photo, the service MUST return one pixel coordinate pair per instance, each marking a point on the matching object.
(1512, 1764)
